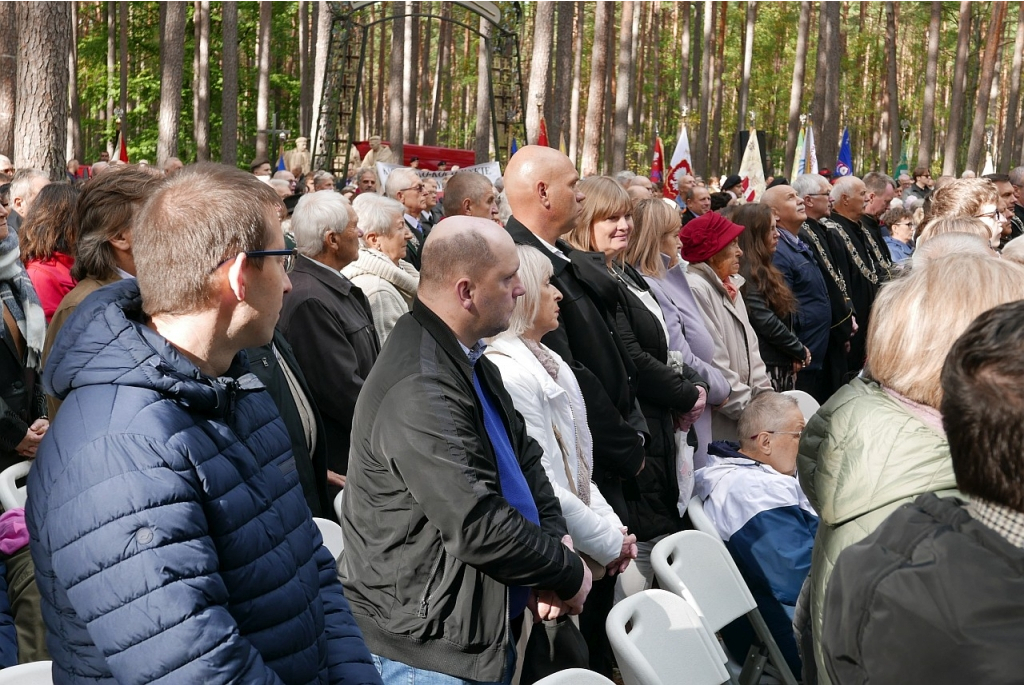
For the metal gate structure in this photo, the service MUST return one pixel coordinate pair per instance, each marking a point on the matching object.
(346, 60)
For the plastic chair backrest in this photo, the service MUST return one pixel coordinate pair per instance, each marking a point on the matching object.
(706, 569)
(699, 519)
(658, 639)
(575, 676)
(337, 503)
(334, 538)
(808, 405)
(35, 673)
(12, 496)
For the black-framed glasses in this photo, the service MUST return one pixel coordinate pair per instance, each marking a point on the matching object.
(419, 189)
(289, 257)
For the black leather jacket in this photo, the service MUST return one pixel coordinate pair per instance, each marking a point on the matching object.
(775, 337)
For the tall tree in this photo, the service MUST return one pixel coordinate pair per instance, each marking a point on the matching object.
(229, 89)
(796, 91)
(395, 73)
(305, 73)
(1010, 152)
(622, 92)
(714, 163)
(956, 101)
(699, 152)
(263, 80)
(122, 65)
(408, 77)
(323, 40)
(111, 13)
(172, 54)
(201, 110)
(8, 75)
(891, 86)
(441, 80)
(748, 60)
(825, 111)
(40, 114)
(684, 57)
(594, 123)
(924, 150)
(574, 103)
(74, 144)
(540, 67)
(483, 94)
(976, 148)
(558, 122)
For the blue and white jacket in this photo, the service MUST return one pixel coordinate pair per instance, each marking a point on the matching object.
(766, 521)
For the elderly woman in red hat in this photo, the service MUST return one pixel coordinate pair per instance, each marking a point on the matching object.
(710, 243)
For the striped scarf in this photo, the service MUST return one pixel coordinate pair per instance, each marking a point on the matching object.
(21, 300)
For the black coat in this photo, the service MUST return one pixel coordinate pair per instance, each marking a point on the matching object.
(587, 340)
(932, 596)
(312, 468)
(861, 288)
(328, 323)
(21, 400)
(776, 340)
(652, 496)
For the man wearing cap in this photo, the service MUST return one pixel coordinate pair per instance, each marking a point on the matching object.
(733, 185)
(710, 244)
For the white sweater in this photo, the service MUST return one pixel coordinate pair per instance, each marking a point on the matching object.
(388, 288)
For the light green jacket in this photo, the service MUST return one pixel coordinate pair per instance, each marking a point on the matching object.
(861, 457)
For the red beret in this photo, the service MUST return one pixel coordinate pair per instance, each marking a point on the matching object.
(706, 236)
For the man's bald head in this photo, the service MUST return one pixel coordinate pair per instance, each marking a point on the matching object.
(540, 184)
(459, 246)
(470, 194)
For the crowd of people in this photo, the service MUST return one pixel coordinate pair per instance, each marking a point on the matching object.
(515, 390)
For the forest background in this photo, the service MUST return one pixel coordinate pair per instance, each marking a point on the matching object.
(937, 81)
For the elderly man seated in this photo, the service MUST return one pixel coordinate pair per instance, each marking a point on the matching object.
(756, 504)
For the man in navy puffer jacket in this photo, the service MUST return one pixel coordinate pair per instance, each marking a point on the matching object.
(169, 531)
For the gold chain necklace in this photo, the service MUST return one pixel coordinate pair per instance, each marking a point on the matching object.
(836, 276)
(857, 261)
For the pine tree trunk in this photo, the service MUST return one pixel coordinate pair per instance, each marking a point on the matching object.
(891, 85)
(40, 116)
(699, 152)
(748, 60)
(976, 148)
(604, 144)
(954, 132)
(594, 124)
(172, 53)
(424, 90)
(382, 66)
(1014, 123)
(826, 86)
(924, 150)
(684, 58)
(395, 109)
(441, 76)
(408, 88)
(482, 140)
(111, 8)
(540, 68)
(8, 75)
(229, 90)
(122, 67)
(74, 142)
(305, 76)
(202, 110)
(558, 121)
(622, 83)
(263, 81)
(796, 92)
(323, 39)
(574, 103)
(714, 164)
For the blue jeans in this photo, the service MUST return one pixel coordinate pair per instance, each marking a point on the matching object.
(397, 673)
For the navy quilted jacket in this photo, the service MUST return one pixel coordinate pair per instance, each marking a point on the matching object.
(170, 535)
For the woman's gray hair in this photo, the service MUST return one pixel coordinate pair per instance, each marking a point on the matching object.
(534, 272)
(377, 214)
(316, 215)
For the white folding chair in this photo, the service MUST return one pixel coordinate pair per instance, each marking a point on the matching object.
(575, 676)
(35, 673)
(12, 495)
(808, 405)
(699, 519)
(334, 539)
(695, 565)
(658, 639)
(337, 503)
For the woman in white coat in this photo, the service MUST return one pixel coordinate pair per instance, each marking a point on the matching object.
(386, 279)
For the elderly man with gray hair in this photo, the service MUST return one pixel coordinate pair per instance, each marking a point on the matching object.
(752, 497)
(24, 187)
(327, 320)
(406, 186)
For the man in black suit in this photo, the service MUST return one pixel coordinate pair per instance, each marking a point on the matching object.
(327, 320)
(407, 187)
(541, 186)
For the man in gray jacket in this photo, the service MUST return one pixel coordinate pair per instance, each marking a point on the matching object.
(451, 525)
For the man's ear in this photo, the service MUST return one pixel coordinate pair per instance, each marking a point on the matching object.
(764, 443)
(122, 242)
(542, 193)
(467, 206)
(464, 290)
(237, 276)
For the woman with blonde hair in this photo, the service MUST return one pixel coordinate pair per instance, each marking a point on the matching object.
(879, 441)
(654, 251)
(671, 394)
(943, 225)
(976, 198)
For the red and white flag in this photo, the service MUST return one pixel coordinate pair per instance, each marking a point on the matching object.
(682, 164)
(751, 170)
(120, 149)
(658, 162)
(542, 136)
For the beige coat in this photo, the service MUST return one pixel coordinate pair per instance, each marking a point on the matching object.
(737, 355)
(389, 289)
